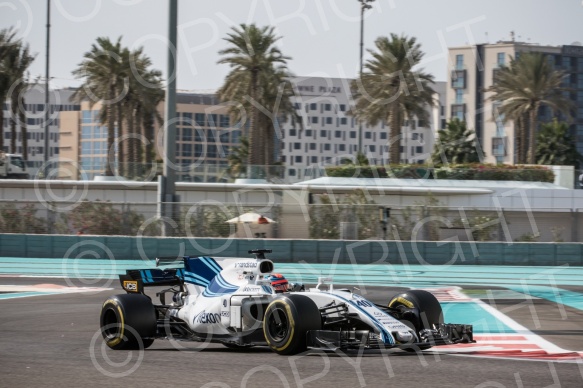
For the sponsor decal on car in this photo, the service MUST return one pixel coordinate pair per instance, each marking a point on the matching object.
(246, 264)
(130, 285)
(206, 318)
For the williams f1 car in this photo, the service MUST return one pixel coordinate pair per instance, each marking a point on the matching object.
(232, 302)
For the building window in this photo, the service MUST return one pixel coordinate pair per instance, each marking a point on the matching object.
(498, 146)
(338, 134)
(323, 133)
(500, 59)
(313, 106)
(327, 107)
(342, 147)
(314, 159)
(224, 121)
(297, 106)
(186, 150)
(85, 132)
(212, 120)
(86, 116)
(458, 79)
(372, 148)
(343, 121)
(211, 151)
(199, 119)
(458, 110)
(328, 120)
(312, 146)
(298, 158)
(353, 134)
(186, 119)
(459, 62)
(342, 108)
(308, 132)
(297, 146)
(292, 132)
(314, 120)
(327, 147)
(419, 149)
(187, 134)
(367, 135)
(459, 96)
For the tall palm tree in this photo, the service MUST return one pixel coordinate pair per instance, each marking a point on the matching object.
(237, 158)
(456, 144)
(8, 43)
(103, 80)
(253, 58)
(556, 146)
(18, 60)
(522, 88)
(145, 93)
(389, 89)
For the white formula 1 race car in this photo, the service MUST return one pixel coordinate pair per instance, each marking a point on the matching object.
(232, 302)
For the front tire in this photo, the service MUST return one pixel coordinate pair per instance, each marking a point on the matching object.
(128, 322)
(286, 323)
(421, 311)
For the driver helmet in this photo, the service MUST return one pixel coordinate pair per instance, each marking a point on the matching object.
(278, 282)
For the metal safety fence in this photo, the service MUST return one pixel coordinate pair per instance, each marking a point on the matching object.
(344, 221)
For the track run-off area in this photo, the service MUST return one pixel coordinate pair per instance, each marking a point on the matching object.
(519, 314)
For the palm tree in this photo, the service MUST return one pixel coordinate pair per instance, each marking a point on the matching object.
(556, 146)
(390, 90)
(17, 61)
(456, 144)
(237, 158)
(522, 88)
(255, 63)
(8, 43)
(103, 80)
(145, 93)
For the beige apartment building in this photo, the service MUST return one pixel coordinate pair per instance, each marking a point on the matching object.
(471, 72)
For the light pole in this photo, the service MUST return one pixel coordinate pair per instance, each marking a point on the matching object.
(167, 182)
(364, 5)
(47, 99)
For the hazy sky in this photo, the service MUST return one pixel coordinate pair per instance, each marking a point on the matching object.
(322, 37)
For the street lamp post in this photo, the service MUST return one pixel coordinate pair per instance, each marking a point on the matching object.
(364, 5)
(47, 99)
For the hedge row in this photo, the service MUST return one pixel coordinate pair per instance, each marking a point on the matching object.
(490, 172)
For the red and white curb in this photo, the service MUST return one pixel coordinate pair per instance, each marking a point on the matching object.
(523, 344)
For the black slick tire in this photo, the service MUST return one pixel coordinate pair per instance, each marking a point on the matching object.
(429, 312)
(128, 322)
(287, 320)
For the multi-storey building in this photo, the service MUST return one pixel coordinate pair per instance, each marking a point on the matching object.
(472, 71)
(329, 134)
(35, 118)
(203, 138)
(204, 134)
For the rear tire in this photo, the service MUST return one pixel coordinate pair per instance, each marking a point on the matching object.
(128, 322)
(286, 323)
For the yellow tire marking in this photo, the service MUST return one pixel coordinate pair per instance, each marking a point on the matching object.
(117, 340)
(291, 324)
(403, 301)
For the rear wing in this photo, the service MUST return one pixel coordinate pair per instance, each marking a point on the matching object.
(135, 280)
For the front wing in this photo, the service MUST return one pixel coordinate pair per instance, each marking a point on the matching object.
(443, 334)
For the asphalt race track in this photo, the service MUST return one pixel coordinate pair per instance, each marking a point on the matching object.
(52, 340)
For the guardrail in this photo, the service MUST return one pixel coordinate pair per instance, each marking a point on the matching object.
(294, 251)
